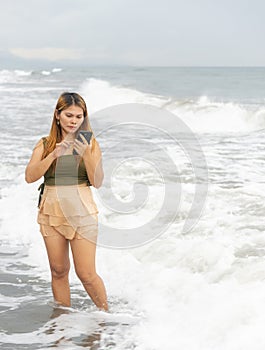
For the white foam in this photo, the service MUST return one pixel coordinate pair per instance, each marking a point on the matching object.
(45, 72)
(73, 324)
(186, 290)
(101, 94)
(12, 76)
(56, 70)
(13, 302)
(206, 116)
(204, 290)
(202, 115)
(23, 73)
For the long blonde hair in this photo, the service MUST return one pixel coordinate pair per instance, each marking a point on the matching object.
(66, 100)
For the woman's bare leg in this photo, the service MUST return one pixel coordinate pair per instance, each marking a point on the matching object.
(58, 254)
(84, 252)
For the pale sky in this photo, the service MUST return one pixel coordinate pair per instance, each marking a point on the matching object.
(134, 32)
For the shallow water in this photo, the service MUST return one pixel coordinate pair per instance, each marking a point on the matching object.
(201, 289)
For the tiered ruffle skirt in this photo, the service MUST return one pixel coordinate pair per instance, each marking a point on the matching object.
(70, 210)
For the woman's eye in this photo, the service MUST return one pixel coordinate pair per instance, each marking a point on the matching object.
(70, 115)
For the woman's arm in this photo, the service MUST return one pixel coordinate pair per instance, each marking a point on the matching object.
(37, 167)
(93, 162)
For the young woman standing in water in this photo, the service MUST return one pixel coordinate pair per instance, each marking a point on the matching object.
(67, 212)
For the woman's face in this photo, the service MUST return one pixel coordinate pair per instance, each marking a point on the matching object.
(71, 119)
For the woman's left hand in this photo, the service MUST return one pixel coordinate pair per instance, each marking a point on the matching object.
(82, 147)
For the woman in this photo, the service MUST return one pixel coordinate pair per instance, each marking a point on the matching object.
(67, 212)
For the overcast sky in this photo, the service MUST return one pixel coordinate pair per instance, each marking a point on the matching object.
(134, 32)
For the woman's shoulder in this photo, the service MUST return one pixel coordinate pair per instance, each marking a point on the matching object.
(42, 141)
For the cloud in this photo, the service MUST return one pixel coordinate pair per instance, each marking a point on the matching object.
(168, 32)
(47, 53)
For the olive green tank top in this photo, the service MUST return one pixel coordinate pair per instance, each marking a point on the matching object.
(67, 171)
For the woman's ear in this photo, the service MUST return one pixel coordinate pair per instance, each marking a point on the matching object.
(57, 113)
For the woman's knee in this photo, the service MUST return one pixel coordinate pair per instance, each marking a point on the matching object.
(87, 277)
(60, 271)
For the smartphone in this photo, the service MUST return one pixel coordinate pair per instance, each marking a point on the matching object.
(86, 134)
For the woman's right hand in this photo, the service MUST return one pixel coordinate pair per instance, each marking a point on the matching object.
(60, 148)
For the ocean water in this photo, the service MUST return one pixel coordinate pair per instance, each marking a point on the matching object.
(181, 245)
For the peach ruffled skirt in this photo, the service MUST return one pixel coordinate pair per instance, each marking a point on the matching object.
(69, 211)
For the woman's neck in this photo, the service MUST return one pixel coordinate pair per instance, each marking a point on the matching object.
(68, 136)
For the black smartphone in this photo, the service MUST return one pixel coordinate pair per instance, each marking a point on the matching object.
(86, 134)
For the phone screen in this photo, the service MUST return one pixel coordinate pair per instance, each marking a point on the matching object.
(86, 134)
